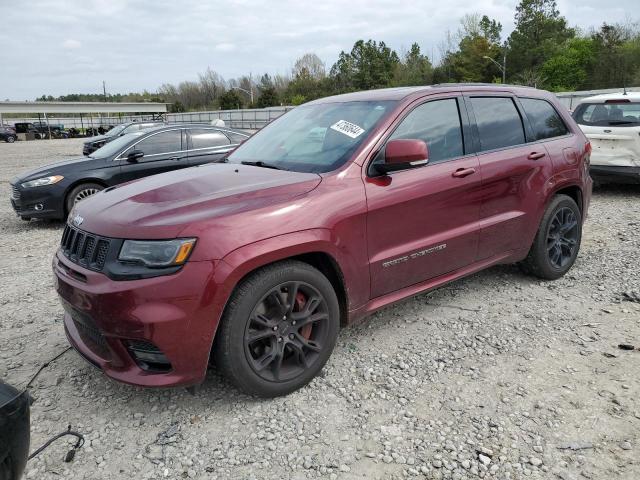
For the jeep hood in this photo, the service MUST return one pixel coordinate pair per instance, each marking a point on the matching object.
(162, 206)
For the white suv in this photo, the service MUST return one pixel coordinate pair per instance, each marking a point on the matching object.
(612, 123)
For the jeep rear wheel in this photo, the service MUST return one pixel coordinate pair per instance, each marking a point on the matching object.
(557, 241)
(278, 330)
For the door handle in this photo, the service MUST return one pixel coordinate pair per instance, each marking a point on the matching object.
(536, 155)
(463, 172)
(175, 158)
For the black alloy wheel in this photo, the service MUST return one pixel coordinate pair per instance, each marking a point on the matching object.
(557, 242)
(562, 237)
(278, 329)
(286, 331)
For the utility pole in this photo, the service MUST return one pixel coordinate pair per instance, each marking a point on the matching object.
(104, 90)
(503, 67)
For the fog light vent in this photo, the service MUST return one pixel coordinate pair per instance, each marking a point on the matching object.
(148, 357)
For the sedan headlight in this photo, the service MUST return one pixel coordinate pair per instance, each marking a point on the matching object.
(157, 253)
(39, 182)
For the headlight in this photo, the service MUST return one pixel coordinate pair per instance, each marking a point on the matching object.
(157, 253)
(39, 182)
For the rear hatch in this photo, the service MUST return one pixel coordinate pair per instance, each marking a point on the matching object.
(613, 128)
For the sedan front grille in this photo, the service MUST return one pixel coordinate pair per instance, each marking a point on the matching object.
(15, 193)
(84, 248)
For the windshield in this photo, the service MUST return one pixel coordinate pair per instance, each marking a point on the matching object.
(116, 130)
(313, 138)
(115, 146)
(616, 113)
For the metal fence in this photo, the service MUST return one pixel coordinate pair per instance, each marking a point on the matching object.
(247, 119)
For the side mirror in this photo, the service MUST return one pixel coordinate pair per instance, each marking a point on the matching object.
(134, 156)
(403, 153)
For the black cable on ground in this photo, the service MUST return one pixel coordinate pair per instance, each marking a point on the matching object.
(71, 453)
(79, 443)
(43, 366)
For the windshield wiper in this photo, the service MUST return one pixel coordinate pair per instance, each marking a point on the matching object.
(621, 122)
(260, 163)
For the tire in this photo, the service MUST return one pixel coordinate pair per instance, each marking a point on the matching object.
(557, 242)
(11, 139)
(264, 347)
(80, 192)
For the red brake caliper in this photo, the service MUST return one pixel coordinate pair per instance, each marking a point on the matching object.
(301, 301)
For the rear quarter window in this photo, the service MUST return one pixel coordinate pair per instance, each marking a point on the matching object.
(236, 137)
(499, 123)
(544, 119)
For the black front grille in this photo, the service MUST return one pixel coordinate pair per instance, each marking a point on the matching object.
(84, 248)
(15, 193)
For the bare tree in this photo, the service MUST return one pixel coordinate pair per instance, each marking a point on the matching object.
(311, 64)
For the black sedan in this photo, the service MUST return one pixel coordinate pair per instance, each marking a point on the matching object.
(99, 141)
(8, 134)
(52, 190)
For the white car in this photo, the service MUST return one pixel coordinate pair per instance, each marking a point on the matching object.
(612, 124)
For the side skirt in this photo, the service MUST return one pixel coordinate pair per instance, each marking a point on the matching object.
(394, 297)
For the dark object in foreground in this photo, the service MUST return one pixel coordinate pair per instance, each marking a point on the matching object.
(14, 432)
(626, 346)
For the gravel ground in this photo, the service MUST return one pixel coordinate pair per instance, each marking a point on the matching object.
(498, 376)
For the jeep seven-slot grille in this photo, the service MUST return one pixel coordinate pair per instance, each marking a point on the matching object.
(84, 248)
(15, 193)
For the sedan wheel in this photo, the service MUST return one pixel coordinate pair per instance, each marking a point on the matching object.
(81, 192)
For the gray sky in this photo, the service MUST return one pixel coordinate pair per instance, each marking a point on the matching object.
(57, 47)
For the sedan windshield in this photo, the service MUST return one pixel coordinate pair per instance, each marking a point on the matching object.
(313, 138)
(115, 146)
(117, 130)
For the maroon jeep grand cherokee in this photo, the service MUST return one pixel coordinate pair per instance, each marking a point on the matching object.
(338, 208)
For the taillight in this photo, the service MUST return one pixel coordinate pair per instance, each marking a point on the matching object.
(587, 155)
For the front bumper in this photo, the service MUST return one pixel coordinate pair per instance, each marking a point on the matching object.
(39, 202)
(615, 174)
(176, 313)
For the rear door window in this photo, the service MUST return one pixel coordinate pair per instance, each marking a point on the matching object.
(544, 119)
(614, 113)
(206, 138)
(164, 142)
(499, 123)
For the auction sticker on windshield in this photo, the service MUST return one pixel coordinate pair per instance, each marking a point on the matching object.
(349, 129)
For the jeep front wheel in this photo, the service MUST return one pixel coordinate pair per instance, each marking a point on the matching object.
(278, 330)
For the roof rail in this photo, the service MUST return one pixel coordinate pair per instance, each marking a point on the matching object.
(478, 84)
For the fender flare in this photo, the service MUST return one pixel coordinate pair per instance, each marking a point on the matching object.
(236, 265)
